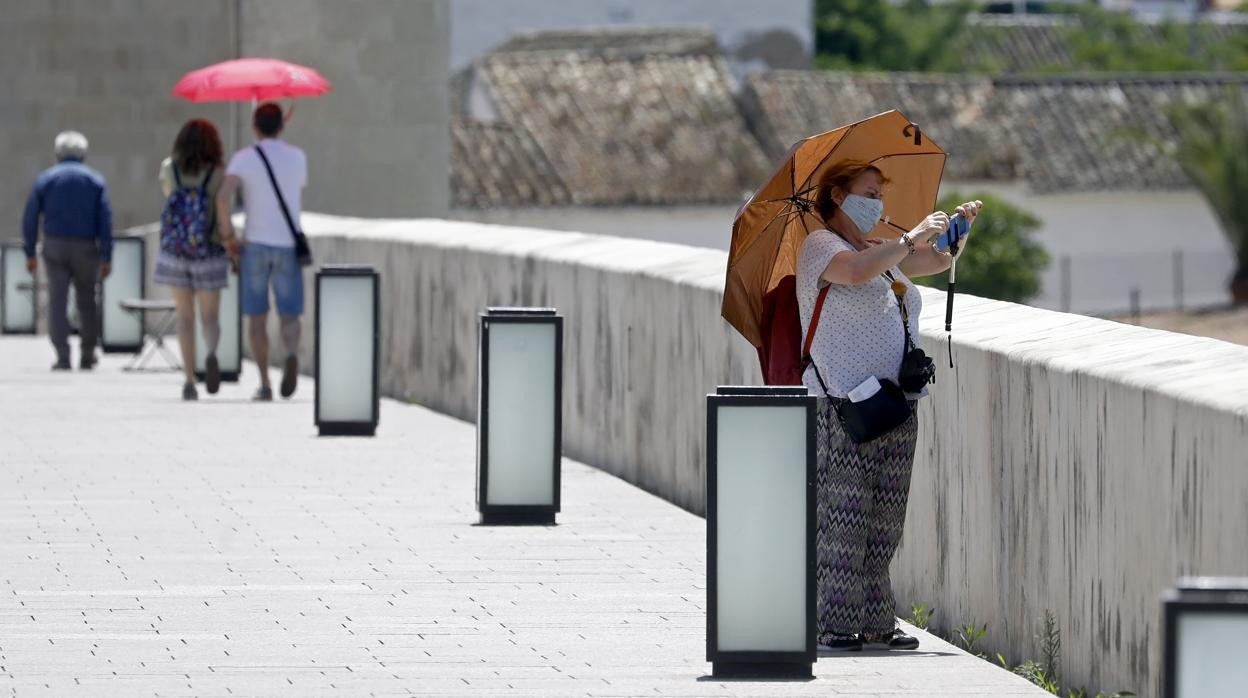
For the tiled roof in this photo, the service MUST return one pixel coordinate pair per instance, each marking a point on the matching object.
(786, 106)
(1102, 133)
(497, 166)
(1027, 44)
(617, 41)
(608, 118)
(1055, 133)
(1020, 45)
(651, 128)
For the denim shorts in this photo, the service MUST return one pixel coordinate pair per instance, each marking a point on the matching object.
(265, 265)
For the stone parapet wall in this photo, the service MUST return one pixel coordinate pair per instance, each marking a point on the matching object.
(1066, 463)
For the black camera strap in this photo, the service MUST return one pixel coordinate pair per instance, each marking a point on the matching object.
(899, 291)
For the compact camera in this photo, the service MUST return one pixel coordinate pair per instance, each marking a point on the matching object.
(917, 370)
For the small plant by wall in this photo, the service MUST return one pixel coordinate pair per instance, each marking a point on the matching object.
(1045, 672)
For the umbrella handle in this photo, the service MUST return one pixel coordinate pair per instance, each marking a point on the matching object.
(912, 129)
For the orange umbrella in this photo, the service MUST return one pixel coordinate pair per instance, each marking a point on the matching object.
(769, 229)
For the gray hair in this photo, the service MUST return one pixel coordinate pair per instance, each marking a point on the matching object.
(70, 145)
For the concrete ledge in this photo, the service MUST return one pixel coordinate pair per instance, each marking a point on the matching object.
(1066, 463)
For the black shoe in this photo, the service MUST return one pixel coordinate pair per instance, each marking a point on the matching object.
(263, 394)
(62, 366)
(893, 640)
(290, 375)
(189, 393)
(87, 362)
(212, 374)
(840, 643)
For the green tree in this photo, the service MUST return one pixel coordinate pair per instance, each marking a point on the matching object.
(918, 35)
(876, 35)
(1001, 259)
(1212, 150)
(1104, 41)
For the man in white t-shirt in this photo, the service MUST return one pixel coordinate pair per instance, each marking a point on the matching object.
(267, 245)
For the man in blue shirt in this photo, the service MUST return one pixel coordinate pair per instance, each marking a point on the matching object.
(72, 200)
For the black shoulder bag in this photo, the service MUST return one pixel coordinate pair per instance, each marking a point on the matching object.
(302, 251)
(888, 408)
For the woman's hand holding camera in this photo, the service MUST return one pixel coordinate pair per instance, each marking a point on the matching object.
(970, 209)
(935, 224)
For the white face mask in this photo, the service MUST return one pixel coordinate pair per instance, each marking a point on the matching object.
(864, 212)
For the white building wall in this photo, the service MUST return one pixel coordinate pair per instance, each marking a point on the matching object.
(1116, 241)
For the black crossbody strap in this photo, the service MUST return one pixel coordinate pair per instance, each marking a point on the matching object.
(294, 230)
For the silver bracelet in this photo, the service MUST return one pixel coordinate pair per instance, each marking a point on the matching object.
(908, 242)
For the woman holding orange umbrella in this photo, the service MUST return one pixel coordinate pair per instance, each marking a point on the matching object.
(861, 346)
(837, 231)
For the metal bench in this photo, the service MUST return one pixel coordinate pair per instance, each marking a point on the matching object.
(153, 333)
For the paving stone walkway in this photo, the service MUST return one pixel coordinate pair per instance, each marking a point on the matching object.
(219, 548)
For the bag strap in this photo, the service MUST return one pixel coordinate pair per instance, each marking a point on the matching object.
(177, 181)
(899, 292)
(294, 231)
(212, 205)
(814, 325)
(203, 186)
(807, 359)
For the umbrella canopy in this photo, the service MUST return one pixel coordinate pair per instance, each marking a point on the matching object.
(769, 229)
(246, 79)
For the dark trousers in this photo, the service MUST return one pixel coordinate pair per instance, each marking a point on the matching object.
(77, 261)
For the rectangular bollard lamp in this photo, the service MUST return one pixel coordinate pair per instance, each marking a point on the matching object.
(230, 345)
(1204, 623)
(760, 532)
(18, 291)
(519, 415)
(348, 327)
(121, 331)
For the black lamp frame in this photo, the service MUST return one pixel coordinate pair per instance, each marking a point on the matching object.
(343, 428)
(7, 248)
(231, 376)
(137, 345)
(1195, 595)
(505, 514)
(760, 663)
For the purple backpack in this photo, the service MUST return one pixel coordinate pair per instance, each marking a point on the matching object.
(186, 223)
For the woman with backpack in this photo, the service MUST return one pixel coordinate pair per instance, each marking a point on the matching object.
(868, 373)
(192, 261)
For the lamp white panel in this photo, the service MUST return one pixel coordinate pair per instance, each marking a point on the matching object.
(761, 529)
(19, 311)
(1211, 655)
(521, 403)
(344, 316)
(124, 283)
(228, 348)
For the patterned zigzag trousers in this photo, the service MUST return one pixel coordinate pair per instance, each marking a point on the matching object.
(862, 493)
